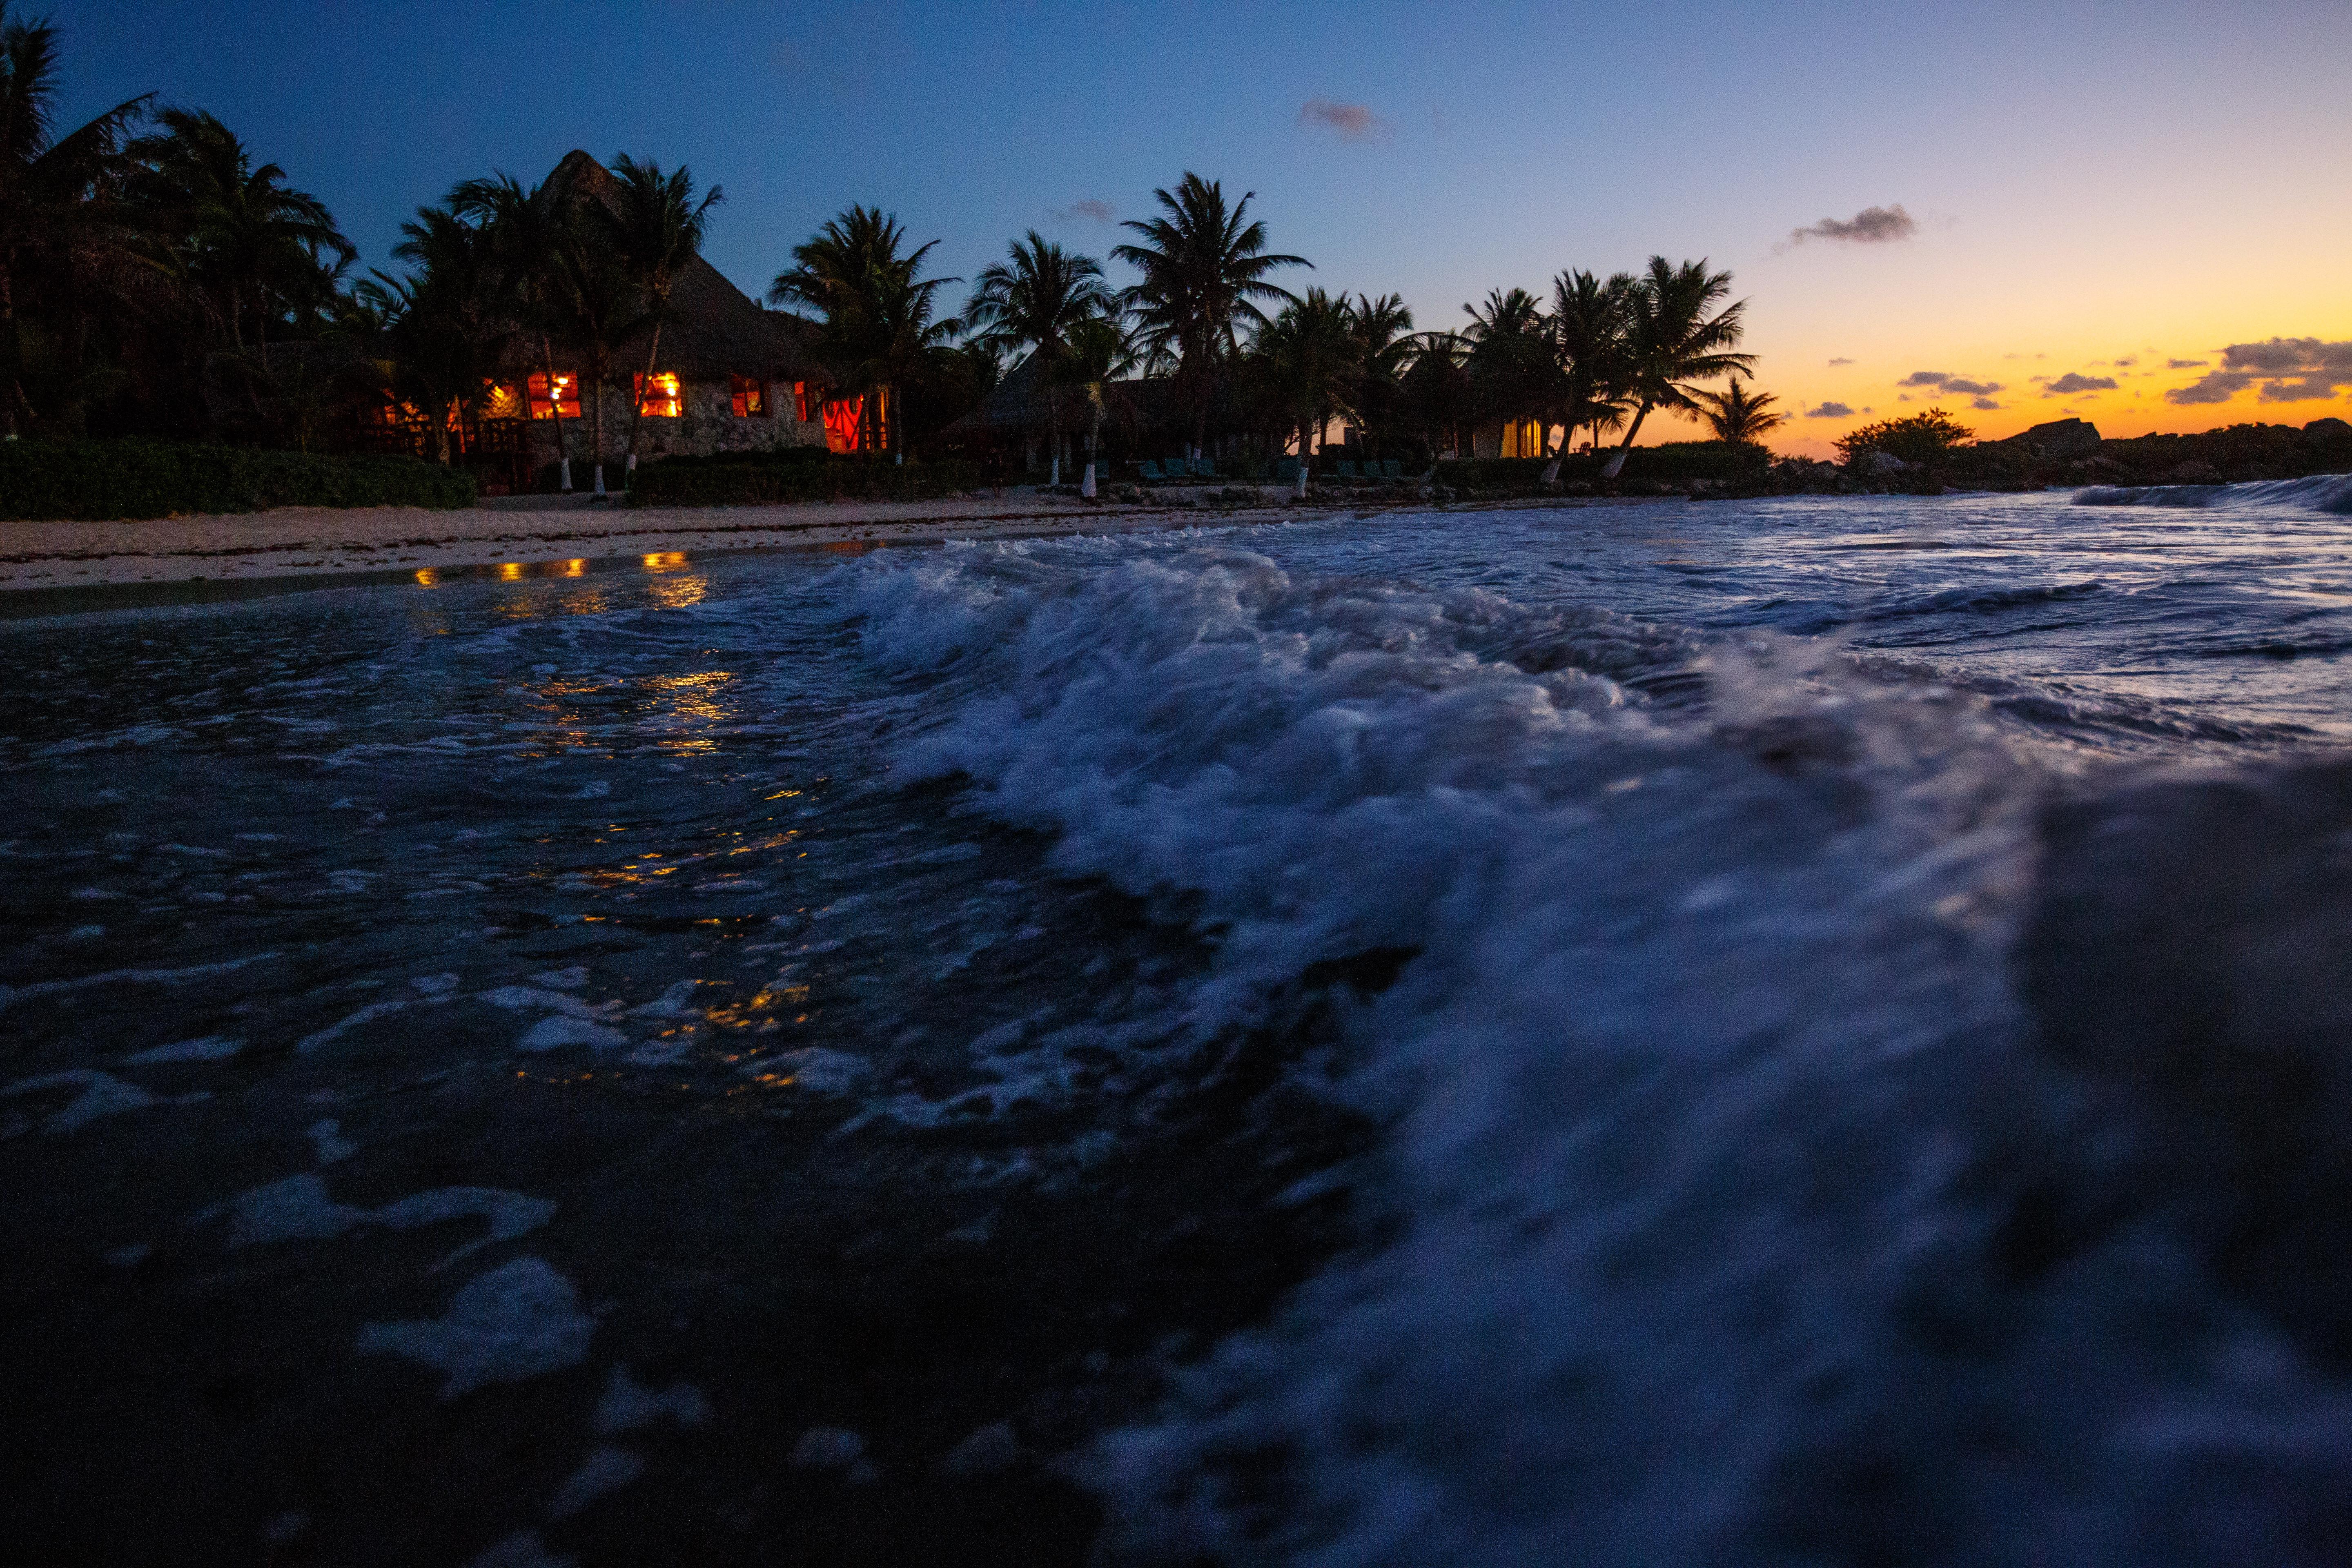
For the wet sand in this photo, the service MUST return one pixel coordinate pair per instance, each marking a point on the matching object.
(301, 541)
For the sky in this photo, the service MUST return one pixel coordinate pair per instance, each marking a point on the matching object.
(2138, 214)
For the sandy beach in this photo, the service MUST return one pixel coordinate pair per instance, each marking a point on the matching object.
(301, 541)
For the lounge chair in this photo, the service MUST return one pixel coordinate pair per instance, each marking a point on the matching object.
(1391, 468)
(1204, 468)
(1346, 468)
(1286, 470)
(1149, 472)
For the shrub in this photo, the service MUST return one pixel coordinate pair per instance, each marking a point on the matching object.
(102, 480)
(1671, 462)
(1922, 438)
(765, 479)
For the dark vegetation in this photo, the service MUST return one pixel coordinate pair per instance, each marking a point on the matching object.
(1929, 453)
(795, 474)
(131, 478)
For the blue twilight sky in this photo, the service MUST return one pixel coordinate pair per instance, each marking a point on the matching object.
(2095, 192)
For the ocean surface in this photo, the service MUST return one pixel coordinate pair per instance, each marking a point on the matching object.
(1809, 1031)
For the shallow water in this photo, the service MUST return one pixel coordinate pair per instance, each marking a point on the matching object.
(1800, 1031)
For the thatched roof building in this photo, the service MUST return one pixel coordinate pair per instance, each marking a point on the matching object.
(1018, 412)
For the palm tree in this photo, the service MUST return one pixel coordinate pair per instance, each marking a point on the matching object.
(1034, 300)
(528, 230)
(1436, 390)
(1384, 347)
(595, 303)
(50, 185)
(878, 310)
(1737, 414)
(1096, 353)
(657, 228)
(1588, 322)
(1672, 341)
(1205, 269)
(1313, 359)
(448, 323)
(239, 234)
(1510, 364)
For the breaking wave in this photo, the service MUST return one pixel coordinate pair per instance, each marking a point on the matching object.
(1820, 1129)
(2319, 493)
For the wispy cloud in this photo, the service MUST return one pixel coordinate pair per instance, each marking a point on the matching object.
(1835, 363)
(1871, 225)
(1945, 381)
(1984, 403)
(2074, 381)
(1352, 121)
(1830, 411)
(2187, 363)
(2290, 370)
(1101, 212)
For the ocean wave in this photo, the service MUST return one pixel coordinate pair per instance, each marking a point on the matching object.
(1741, 1208)
(2319, 493)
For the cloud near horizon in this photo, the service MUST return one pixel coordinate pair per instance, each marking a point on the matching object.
(1835, 363)
(1985, 403)
(2074, 381)
(1945, 381)
(1871, 225)
(1101, 212)
(2290, 370)
(1830, 411)
(1352, 121)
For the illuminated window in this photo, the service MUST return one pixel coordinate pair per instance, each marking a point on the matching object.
(810, 408)
(567, 397)
(505, 403)
(845, 419)
(657, 395)
(750, 397)
(1523, 439)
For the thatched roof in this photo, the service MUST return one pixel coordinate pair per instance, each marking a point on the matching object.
(714, 330)
(1017, 405)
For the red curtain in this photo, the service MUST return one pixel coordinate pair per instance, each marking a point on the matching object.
(845, 420)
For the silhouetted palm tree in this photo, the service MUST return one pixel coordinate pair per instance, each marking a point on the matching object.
(1436, 390)
(51, 186)
(657, 228)
(447, 322)
(1204, 267)
(1588, 322)
(878, 309)
(251, 244)
(1672, 339)
(1385, 346)
(1737, 414)
(1097, 354)
(528, 230)
(1510, 363)
(1314, 361)
(1034, 300)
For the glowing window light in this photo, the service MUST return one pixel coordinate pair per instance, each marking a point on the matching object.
(749, 395)
(657, 395)
(510, 572)
(427, 578)
(567, 398)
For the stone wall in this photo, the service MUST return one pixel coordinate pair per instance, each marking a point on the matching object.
(707, 426)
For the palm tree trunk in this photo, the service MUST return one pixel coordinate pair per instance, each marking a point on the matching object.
(1616, 463)
(597, 367)
(638, 409)
(1093, 435)
(14, 393)
(554, 408)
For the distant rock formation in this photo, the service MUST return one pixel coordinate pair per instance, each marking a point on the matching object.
(2056, 438)
(2329, 429)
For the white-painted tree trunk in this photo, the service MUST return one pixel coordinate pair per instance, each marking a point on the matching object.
(1086, 485)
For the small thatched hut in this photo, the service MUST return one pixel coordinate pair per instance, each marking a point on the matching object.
(1020, 412)
(731, 376)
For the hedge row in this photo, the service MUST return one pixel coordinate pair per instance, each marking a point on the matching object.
(1674, 462)
(101, 480)
(774, 479)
